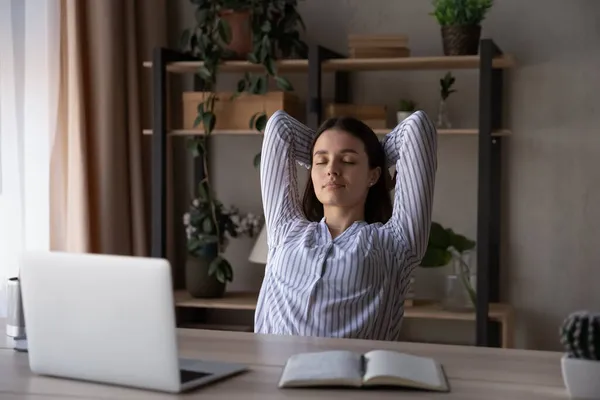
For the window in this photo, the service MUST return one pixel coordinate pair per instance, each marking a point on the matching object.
(29, 82)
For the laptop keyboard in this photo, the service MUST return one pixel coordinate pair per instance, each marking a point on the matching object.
(187, 375)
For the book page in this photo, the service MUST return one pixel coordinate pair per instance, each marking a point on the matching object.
(326, 368)
(394, 368)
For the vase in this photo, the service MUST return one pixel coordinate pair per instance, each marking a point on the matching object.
(241, 33)
(461, 40)
(461, 283)
(443, 120)
(581, 377)
(197, 281)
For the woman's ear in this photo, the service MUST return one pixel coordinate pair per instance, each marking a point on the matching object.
(374, 175)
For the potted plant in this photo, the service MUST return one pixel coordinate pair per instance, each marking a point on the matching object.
(446, 83)
(446, 247)
(580, 335)
(273, 26)
(208, 227)
(460, 22)
(405, 109)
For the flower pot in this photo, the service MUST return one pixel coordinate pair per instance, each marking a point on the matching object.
(461, 39)
(241, 33)
(402, 115)
(581, 377)
(197, 281)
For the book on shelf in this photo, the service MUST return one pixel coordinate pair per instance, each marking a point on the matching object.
(383, 368)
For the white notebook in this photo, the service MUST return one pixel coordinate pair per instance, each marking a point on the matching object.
(374, 368)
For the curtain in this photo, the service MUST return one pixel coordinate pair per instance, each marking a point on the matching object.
(29, 76)
(74, 98)
(100, 161)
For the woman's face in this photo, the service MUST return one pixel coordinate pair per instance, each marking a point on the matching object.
(340, 170)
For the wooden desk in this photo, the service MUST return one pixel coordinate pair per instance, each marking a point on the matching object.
(502, 313)
(473, 372)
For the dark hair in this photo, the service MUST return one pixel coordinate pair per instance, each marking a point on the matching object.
(378, 205)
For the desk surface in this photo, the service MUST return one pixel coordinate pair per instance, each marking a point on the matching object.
(474, 373)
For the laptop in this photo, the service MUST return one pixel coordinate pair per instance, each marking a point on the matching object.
(108, 319)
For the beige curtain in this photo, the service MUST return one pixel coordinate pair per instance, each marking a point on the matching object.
(100, 170)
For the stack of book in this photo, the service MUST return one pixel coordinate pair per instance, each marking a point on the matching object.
(378, 46)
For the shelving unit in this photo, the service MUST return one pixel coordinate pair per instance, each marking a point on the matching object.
(491, 64)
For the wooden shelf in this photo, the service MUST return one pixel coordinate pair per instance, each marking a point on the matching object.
(231, 301)
(249, 132)
(419, 309)
(352, 64)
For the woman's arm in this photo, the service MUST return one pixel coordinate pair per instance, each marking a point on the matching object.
(286, 141)
(412, 147)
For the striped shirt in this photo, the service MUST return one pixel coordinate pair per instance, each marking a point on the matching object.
(352, 286)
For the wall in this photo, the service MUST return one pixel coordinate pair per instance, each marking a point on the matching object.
(550, 224)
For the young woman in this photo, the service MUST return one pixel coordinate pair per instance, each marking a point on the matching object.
(339, 262)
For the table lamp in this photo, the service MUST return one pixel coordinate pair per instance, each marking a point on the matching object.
(260, 250)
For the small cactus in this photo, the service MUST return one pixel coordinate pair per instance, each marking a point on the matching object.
(580, 334)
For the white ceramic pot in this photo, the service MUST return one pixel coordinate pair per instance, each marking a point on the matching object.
(581, 377)
(402, 115)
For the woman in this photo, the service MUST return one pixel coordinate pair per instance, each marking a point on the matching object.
(339, 263)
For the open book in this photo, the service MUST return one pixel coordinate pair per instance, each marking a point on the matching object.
(374, 368)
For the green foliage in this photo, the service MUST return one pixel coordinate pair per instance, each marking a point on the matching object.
(580, 335)
(275, 34)
(442, 242)
(445, 245)
(221, 269)
(209, 223)
(460, 12)
(446, 85)
(407, 105)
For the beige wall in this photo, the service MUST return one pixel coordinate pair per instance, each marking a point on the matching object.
(551, 221)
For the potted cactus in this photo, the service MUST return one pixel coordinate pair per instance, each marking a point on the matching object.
(580, 334)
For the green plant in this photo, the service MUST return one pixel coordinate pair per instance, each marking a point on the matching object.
(445, 245)
(446, 85)
(274, 28)
(580, 334)
(407, 105)
(201, 230)
(460, 12)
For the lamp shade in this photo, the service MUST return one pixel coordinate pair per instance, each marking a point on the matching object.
(260, 250)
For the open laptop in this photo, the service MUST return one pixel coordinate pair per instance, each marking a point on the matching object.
(108, 319)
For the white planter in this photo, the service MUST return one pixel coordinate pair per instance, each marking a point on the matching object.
(581, 377)
(402, 115)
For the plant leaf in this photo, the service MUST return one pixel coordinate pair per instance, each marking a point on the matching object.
(207, 225)
(271, 66)
(193, 147)
(256, 161)
(435, 258)
(224, 30)
(438, 236)
(220, 275)
(214, 265)
(261, 122)
(461, 243)
(204, 73)
(209, 121)
(198, 120)
(253, 120)
(284, 84)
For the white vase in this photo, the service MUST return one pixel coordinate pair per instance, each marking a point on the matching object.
(402, 115)
(581, 377)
